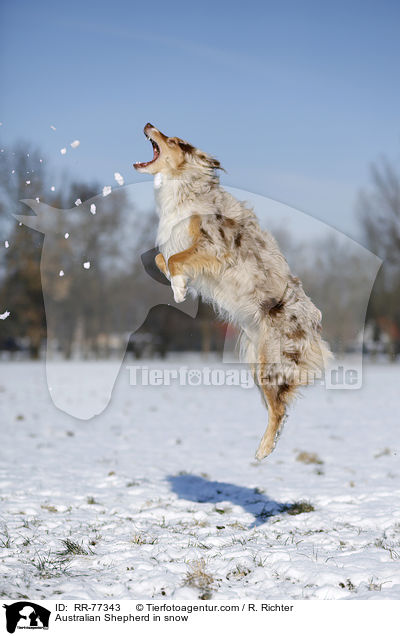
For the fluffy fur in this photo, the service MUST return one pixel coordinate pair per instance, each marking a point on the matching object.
(213, 243)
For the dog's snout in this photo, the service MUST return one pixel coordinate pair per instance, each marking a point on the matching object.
(148, 126)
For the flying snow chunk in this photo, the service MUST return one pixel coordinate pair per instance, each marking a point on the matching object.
(61, 273)
(86, 265)
(52, 188)
(12, 171)
(6, 244)
(53, 127)
(75, 143)
(5, 315)
(119, 178)
(93, 208)
(28, 182)
(63, 151)
(37, 200)
(66, 235)
(106, 191)
(78, 202)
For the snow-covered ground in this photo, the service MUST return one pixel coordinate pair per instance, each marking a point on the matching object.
(160, 496)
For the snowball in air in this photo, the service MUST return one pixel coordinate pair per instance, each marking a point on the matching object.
(75, 143)
(66, 235)
(119, 178)
(106, 191)
(63, 151)
(78, 202)
(6, 244)
(53, 127)
(61, 273)
(86, 265)
(93, 208)
(52, 188)
(5, 315)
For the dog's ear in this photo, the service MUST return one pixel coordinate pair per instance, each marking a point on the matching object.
(210, 161)
(214, 163)
(186, 147)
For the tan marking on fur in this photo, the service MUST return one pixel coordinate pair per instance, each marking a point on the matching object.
(206, 235)
(267, 304)
(297, 334)
(294, 356)
(194, 260)
(195, 228)
(272, 306)
(277, 398)
(277, 309)
(191, 263)
(161, 264)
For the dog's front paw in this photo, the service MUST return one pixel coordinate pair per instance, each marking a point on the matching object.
(178, 284)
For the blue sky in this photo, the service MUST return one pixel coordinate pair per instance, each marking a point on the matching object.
(295, 98)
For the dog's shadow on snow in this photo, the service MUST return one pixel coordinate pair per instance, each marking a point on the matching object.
(201, 490)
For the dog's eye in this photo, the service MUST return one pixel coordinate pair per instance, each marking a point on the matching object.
(171, 142)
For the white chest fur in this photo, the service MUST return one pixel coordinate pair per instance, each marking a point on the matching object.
(173, 230)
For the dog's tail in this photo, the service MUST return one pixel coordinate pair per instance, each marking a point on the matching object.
(285, 352)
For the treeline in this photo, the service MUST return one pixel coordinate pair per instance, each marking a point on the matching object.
(96, 290)
(78, 263)
(379, 214)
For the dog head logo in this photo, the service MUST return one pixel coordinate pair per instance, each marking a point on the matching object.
(26, 615)
(78, 257)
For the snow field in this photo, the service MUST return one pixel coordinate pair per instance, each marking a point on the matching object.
(160, 495)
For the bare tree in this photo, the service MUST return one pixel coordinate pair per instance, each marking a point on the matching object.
(21, 176)
(379, 213)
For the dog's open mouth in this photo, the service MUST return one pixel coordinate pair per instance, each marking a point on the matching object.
(156, 154)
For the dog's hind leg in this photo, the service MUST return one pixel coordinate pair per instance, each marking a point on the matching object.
(277, 398)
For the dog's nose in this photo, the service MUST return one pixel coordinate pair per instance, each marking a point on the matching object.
(147, 126)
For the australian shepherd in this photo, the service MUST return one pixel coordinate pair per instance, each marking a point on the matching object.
(212, 244)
